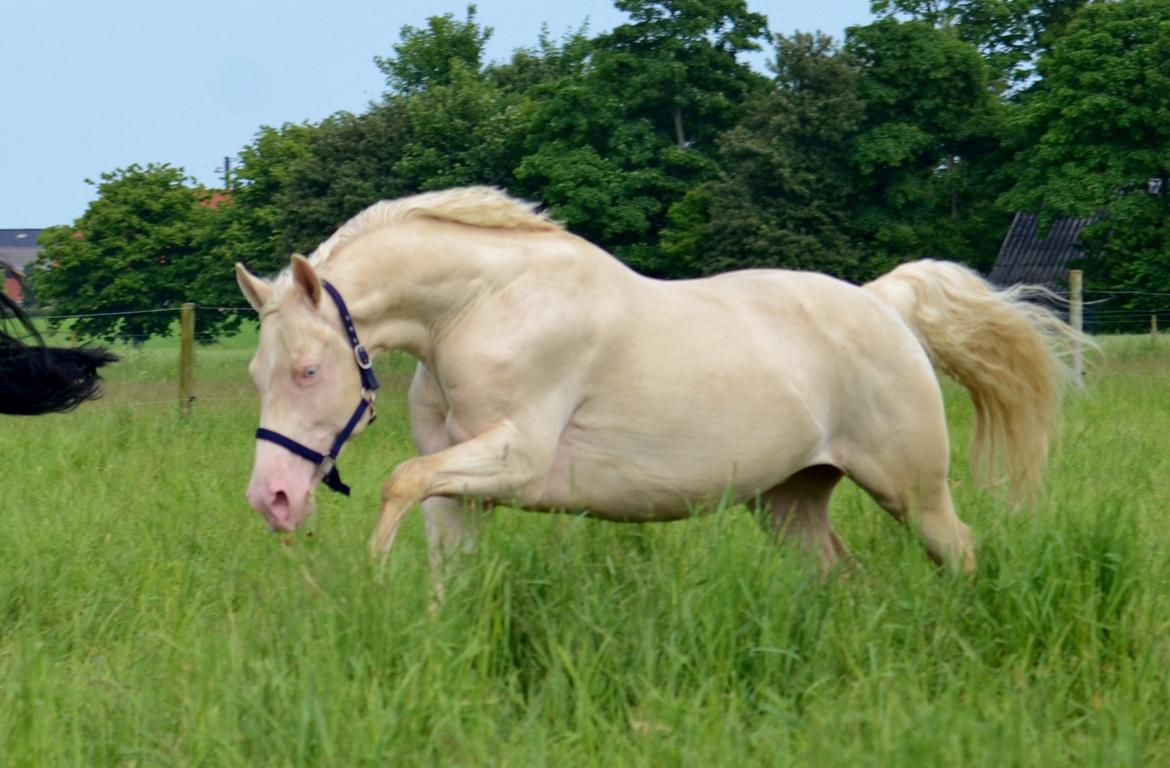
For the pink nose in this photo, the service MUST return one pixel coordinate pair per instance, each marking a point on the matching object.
(274, 505)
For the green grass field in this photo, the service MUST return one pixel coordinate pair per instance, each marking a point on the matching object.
(147, 617)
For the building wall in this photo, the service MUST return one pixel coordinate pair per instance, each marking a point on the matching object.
(13, 289)
(18, 250)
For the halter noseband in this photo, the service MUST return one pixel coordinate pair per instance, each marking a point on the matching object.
(328, 462)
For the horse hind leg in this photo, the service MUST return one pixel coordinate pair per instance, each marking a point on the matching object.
(452, 527)
(919, 498)
(797, 511)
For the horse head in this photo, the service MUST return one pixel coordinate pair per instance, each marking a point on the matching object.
(308, 382)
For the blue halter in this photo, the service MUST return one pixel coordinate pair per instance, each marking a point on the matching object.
(332, 479)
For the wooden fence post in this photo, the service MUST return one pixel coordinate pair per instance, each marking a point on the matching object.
(1076, 319)
(1153, 330)
(186, 357)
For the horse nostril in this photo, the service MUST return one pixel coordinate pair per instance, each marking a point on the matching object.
(278, 513)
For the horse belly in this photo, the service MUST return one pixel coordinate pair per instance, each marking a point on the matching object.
(644, 476)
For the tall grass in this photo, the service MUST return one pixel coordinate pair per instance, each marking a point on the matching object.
(147, 617)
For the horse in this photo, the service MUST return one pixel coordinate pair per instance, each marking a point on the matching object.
(36, 378)
(552, 377)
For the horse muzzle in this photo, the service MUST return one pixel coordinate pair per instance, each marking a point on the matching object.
(282, 490)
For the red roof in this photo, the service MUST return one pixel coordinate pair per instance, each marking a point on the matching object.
(214, 200)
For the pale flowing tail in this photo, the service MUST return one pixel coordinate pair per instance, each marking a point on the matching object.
(1008, 352)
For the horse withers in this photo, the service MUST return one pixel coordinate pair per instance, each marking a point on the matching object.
(551, 376)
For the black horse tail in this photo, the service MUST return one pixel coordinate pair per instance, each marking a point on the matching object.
(36, 378)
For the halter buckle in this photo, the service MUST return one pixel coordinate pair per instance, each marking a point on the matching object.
(362, 357)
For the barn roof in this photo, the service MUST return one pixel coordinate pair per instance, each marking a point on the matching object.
(19, 238)
(18, 247)
(1027, 257)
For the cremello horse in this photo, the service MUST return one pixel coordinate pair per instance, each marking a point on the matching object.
(553, 377)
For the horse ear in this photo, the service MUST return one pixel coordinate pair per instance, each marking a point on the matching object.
(306, 278)
(255, 290)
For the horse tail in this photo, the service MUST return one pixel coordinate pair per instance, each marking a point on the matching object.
(36, 378)
(1009, 353)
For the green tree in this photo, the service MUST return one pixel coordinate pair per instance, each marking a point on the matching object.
(434, 56)
(348, 163)
(468, 131)
(676, 64)
(930, 147)
(547, 62)
(253, 224)
(446, 122)
(786, 188)
(615, 145)
(1095, 138)
(1011, 34)
(143, 244)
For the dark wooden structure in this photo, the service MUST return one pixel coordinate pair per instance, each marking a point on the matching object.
(1027, 257)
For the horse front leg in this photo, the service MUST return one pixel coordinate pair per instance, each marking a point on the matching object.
(452, 529)
(498, 464)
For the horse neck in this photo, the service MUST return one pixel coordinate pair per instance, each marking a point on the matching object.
(405, 296)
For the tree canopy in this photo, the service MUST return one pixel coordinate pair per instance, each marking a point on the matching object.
(1094, 139)
(917, 135)
(142, 245)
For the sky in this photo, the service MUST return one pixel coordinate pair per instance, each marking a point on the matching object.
(89, 87)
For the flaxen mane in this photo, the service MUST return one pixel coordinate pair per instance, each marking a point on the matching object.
(477, 206)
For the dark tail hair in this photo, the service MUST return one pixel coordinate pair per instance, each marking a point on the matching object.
(36, 378)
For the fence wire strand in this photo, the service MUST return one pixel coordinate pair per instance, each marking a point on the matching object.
(1097, 310)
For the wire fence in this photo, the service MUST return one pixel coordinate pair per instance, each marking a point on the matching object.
(1104, 310)
(130, 312)
(1113, 311)
(187, 395)
(1104, 305)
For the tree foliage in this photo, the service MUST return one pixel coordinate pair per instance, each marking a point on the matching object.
(436, 55)
(918, 135)
(615, 145)
(254, 224)
(786, 190)
(1095, 138)
(348, 164)
(143, 245)
(676, 64)
(929, 145)
(1011, 34)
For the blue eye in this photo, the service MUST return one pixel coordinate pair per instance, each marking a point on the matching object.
(309, 373)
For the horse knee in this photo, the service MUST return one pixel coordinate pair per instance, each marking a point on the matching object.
(407, 481)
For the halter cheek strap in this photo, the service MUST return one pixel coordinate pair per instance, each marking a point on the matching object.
(328, 461)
